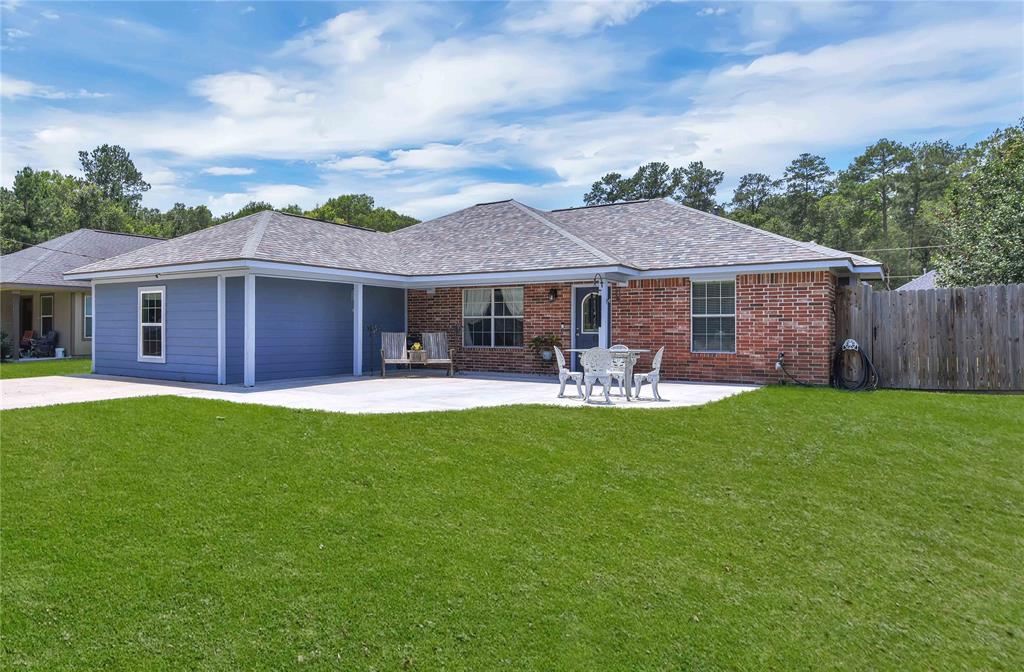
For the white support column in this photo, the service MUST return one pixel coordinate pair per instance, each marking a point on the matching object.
(221, 332)
(92, 346)
(357, 329)
(606, 317)
(249, 369)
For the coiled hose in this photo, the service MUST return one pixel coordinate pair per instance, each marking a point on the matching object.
(869, 376)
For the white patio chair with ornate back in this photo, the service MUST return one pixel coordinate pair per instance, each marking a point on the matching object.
(652, 377)
(438, 352)
(392, 350)
(565, 375)
(597, 364)
(618, 370)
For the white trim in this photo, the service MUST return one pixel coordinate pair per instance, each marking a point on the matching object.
(221, 330)
(92, 350)
(249, 368)
(88, 317)
(492, 317)
(583, 315)
(357, 329)
(405, 312)
(694, 316)
(162, 291)
(606, 317)
(616, 273)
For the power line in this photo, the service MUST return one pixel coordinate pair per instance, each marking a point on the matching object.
(895, 249)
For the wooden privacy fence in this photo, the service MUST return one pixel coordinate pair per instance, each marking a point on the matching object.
(963, 338)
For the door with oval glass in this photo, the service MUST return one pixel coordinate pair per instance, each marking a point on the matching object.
(586, 331)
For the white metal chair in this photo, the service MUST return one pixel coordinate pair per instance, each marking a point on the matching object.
(618, 370)
(565, 375)
(438, 352)
(652, 377)
(392, 350)
(597, 364)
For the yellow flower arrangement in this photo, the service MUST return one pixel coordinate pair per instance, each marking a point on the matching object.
(417, 346)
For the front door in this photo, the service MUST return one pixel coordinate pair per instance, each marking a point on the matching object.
(586, 332)
(26, 315)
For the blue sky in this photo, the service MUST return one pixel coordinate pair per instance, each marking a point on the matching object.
(434, 107)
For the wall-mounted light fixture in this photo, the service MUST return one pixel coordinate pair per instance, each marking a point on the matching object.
(552, 294)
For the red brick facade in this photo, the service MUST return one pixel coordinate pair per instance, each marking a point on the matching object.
(775, 312)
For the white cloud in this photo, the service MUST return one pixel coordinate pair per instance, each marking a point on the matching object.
(363, 164)
(276, 194)
(17, 33)
(248, 10)
(712, 11)
(228, 170)
(574, 18)
(47, 14)
(20, 88)
(350, 37)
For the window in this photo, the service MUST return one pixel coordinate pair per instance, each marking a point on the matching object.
(45, 314)
(492, 318)
(87, 316)
(151, 324)
(591, 317)
(713, 311)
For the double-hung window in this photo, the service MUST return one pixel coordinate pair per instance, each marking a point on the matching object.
(492, 318)
(713, 316)
(152, 339)
(45, 314)
(87, 316)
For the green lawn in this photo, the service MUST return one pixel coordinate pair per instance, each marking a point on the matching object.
(785, 529)
(46, 367)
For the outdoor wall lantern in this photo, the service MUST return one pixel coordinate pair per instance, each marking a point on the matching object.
(552, 294)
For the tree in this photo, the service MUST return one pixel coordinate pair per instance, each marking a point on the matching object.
(111, 168)
(609, 189)
(359, 210)
(698, 185)
(924, 182)
(182, 219)
(807, 179)
(753, 190)
(880, 167)
(39, 205)
(250, 208)
(983, 214)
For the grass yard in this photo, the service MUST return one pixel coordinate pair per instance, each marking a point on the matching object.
(46, 367)
(783, 529)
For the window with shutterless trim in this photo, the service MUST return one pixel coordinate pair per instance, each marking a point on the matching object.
(152, 336)
(45, 314)
(492, 317)
(713, 316)
(87, 316)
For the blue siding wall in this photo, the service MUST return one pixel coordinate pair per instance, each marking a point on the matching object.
(234, 328)
(190, 324)
(303, 328)
(384, 307)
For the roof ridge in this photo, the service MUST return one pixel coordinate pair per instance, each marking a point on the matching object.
(252, 243)
(770, 234)
(120, 233)
(597, 252)
(605, 205)
(323, 221)
(48, 252)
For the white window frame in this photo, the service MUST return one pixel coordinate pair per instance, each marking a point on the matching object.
(161, 290)
(43, 315)
(596, 295)
(694, 316)
(492, 317)
(87, 317)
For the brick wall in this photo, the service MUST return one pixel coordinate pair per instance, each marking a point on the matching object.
(775, 312)
(442, 311)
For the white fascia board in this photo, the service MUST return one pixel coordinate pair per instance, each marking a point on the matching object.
(580, 274)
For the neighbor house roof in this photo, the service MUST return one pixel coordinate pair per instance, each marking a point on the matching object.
(499, 237)
(44, 264)
(926, 281)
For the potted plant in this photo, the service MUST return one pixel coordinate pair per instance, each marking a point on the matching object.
(417, 354)
(543, 345)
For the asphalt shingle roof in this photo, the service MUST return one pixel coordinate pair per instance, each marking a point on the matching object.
(925, 281)
(490, 237)
(46, 263)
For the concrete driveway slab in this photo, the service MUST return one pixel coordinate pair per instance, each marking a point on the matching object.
(405, 394)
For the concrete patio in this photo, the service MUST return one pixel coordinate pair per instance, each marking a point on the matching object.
(400, 394)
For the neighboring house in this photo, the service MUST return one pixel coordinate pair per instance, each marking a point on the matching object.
(273, 296)
(925, 281)
(35, 295)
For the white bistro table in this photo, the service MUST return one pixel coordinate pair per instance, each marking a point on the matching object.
(629, 356)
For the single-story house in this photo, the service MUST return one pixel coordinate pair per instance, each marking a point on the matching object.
(273, 295)
(35, 295)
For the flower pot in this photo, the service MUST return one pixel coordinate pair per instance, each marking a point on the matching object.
(546, 355)
(418, 356)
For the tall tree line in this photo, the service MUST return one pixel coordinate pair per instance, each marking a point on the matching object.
(906, 205)
(44, 204)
